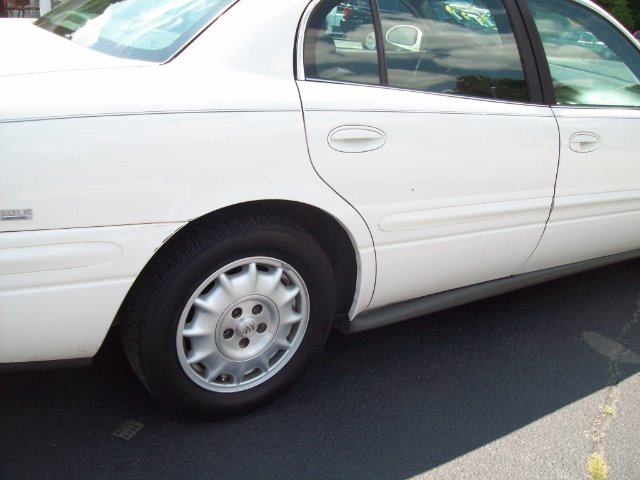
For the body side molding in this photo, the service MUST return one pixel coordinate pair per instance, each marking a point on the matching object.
(398, 312)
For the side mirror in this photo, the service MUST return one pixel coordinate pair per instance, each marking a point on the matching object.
(406, 37)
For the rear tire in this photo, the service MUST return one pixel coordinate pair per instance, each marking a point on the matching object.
(229, 315)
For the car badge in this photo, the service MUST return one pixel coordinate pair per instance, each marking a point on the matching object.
(23, 214)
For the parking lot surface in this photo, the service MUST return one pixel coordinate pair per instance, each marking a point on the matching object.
(521, 386)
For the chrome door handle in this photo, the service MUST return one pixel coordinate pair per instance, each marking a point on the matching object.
(356, 139)
(583, 142)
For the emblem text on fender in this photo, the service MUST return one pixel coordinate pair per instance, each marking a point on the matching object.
(23, 214)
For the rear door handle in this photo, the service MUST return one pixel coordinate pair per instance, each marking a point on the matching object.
(583, 142)
(356, 139)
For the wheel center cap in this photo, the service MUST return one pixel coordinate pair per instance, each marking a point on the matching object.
(246, 327)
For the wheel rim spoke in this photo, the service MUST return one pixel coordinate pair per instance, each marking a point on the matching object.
(285, 294)
(269, 281)
(281, 341)
(261, 363)
(204, 305)
(236, 370)
(201, 325)
(224, 282)
(242, 283)
(216, 300)
(199, 329)
(212, 373)
(290, 318)
(200, 352)
(251, 277)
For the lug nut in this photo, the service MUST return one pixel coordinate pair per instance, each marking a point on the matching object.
(262, 327)
(244, 343)
(236, 312)
(257, 310)
(227, 334)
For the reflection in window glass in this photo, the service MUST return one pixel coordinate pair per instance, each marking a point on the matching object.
(340, 43)
(150, 30)
(463, 48)
(591, 62)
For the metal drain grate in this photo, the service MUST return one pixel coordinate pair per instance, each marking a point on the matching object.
(128, 429)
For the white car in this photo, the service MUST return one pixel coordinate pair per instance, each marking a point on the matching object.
(226, 183)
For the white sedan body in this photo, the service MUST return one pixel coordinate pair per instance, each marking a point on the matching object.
(104, 159)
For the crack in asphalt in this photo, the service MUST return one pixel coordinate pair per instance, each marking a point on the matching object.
(605, 417)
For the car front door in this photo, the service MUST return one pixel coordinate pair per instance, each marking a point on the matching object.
(434, 138)
(596, 86)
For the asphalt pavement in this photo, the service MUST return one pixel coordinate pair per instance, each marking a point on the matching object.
(526, 385)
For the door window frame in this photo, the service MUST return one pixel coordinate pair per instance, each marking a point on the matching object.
(525, 38)
(540, 58)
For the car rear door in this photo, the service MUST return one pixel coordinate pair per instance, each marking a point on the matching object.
(442, 148)
(596, 87)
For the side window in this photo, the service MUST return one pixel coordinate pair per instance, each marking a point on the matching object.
(463, 48)
(340, 44)
(591, 62)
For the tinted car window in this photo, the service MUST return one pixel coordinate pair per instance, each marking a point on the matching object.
(591, 62)
(338, 55)
(455, 48)
(151, 30)
(434, 46)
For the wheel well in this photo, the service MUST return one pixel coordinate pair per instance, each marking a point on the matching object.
(323, 227)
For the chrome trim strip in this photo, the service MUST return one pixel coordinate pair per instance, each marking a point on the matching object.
(144, 113)
(425, 92)
(199, 32)
(434, 112)
(302, 28)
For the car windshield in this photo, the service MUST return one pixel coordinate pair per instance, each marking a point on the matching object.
(151, 30)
